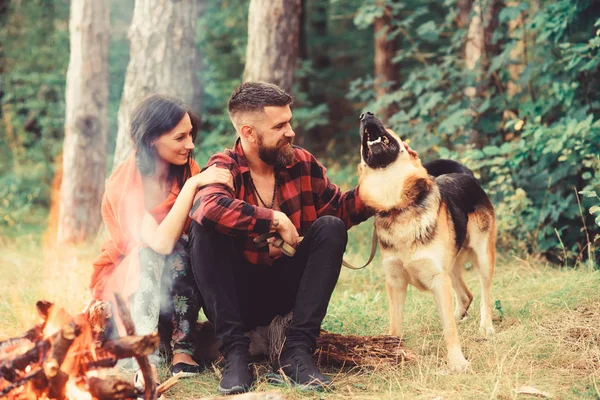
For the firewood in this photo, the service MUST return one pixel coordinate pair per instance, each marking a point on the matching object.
(133, 346)
(31, 336)
(98, 313)
(22, 381)
(102, 363)
(333, 349)
(249, 396)
(57, 385)
(111, 388)
(149, 382)
(10, 366)
(363, 351)
(61, 344)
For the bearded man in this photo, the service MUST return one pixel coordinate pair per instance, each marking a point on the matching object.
(278, 188)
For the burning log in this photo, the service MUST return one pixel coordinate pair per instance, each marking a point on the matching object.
(149, 382)
(98, 313)
(32, 335)
(10, 366)
(52, 359)
(111, 389)
(22, 381)
(102, 363)
(133, 346)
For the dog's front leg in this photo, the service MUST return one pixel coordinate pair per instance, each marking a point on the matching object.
(441, 287)
(396, 284)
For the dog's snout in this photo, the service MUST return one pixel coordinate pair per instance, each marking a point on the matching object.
(365, 115)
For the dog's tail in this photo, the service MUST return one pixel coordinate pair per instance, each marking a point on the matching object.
(443, 167)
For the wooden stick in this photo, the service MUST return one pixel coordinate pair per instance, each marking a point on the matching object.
(133, 346)
(149, 382)
(61, 344)
(111, 388)
(32, 335)
(102, 363)
(9, 367)
(166, 385)
(22, 381)
(363, 351)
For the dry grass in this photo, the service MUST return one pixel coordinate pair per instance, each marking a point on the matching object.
(549, 337)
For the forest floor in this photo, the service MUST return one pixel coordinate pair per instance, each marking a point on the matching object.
(547, 323)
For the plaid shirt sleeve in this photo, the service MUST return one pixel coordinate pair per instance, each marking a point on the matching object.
(215, 206)
(330, 200)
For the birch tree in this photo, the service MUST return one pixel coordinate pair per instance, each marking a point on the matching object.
(273, 37)
(84, 151)
(164, 58)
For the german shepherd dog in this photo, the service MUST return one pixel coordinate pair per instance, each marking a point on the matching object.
(430, 220)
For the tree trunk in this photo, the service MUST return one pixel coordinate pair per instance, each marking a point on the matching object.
(517, 54)
(164, 59)
(84, 151)
(273, 35)
(464, 12)
(386, 72)
(480, 49)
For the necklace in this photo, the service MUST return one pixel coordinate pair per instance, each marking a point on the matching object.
(258, 194)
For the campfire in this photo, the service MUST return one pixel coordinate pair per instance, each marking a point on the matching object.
(66, 357)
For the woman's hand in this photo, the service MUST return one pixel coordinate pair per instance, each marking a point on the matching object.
(213, 174)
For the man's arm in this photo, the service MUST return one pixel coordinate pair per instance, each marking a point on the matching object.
(215, 206)
(330, 200)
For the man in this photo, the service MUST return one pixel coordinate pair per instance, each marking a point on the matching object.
(278, 188)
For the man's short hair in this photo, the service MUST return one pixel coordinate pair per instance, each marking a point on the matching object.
(255, 96)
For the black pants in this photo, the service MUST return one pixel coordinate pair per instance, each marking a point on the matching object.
(238, 295)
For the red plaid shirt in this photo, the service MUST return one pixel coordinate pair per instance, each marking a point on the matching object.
(304, 194)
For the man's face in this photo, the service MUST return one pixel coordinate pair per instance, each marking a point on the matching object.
(274, 136)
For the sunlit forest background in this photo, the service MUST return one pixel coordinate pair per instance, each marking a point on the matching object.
(509, 88)
(518, 101)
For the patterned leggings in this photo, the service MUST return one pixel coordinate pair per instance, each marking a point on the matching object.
(167, 287)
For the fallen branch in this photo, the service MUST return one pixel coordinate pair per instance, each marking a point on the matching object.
(149, 382)
(363, 351)
(111, 388)
(22, 381)
(133, 346)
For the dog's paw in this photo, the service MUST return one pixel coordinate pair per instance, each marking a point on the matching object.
(458, 366)
(487, 330)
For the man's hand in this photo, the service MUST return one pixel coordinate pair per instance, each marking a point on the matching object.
(285, 228)
(410, 151)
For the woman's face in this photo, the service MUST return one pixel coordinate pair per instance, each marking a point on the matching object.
(175, 145)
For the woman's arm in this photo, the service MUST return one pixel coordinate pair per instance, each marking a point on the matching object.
(162, 237)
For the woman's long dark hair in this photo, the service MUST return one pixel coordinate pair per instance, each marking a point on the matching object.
(156, 115)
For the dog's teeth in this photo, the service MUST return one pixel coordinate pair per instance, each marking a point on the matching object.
(371, 143)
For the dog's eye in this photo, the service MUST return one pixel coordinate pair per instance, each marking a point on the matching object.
(361, 116)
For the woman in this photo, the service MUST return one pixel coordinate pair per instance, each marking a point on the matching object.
(145, 209)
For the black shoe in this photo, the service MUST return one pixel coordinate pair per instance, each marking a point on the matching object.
(184, 370)
(237, 374)
(299, 366)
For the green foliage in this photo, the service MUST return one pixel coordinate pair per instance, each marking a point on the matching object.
(20, 194)
(534, 149)
(34, 59)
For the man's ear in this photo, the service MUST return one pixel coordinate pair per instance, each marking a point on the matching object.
(248, 133)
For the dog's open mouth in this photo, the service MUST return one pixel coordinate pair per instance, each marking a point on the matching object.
(379, 148)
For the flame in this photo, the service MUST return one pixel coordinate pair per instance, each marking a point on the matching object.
(58, 318)
(74, 392)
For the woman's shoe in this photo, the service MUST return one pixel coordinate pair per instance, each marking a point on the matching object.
(184, 370)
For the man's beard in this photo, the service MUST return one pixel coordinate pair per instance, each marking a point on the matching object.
(281, 154)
